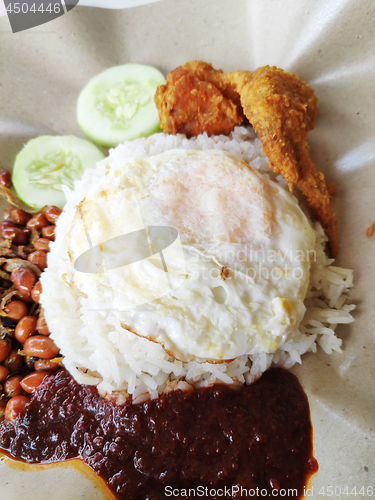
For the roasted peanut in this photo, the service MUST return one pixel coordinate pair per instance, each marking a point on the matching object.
(5, 348)
(24, 297)
(49, 232)
(25, 328)
(16, 234)
(5, 178)
(15, 310)
(40, 347)
(52, 213)
(15, 406)
(6, 224)
(14, 361)
(42, 244)
(46, 365)
(4, 372)
(12, 386)
(36, 291)
(37, 222)
(39, 258)
(41, 326)
(20, 216)
(23, 279)
(31, 382)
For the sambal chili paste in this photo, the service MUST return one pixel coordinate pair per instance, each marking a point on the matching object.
(258, 436)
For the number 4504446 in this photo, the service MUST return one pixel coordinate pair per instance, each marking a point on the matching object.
(18, 7)
(338, 491)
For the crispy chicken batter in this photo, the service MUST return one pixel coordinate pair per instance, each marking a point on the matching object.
(195, 99)
(281, 108)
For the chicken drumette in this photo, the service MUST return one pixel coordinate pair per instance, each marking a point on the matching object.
(281, 108)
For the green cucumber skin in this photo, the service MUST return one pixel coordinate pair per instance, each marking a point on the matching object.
(37, 151)
(104, 129)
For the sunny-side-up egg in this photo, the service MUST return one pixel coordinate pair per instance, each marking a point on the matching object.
(193, 250)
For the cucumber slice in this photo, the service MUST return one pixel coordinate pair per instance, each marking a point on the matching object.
(118, 104)
(48, 162)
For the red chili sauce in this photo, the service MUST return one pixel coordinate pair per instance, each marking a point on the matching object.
(258, 436)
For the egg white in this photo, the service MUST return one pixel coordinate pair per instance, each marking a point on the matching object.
(237, 273)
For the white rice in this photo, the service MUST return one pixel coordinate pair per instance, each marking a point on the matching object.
(129, 364)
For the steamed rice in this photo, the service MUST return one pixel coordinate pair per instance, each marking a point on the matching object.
(99, 351)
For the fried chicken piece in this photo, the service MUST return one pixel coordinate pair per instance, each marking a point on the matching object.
(282, 110)
(195, 99)
(280, 107)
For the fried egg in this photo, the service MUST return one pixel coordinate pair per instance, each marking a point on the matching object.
(233, 280)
